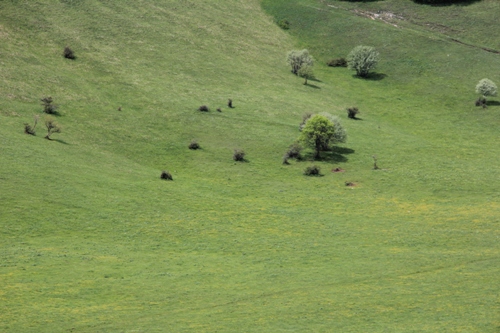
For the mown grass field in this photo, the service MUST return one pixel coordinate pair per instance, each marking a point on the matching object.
(93, 241)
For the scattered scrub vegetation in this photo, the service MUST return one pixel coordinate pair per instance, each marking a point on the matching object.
(337, 62)
(30, 130)
(284, 24)
(352, 112)
(305, 118)
(52, 127)
(293, 152)
(313, 170)
(68, 53)
(362, 59)
(48, 107)
(194, 145)
(239, 155)
(166, 175)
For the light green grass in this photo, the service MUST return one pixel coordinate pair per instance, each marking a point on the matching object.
(94, 241)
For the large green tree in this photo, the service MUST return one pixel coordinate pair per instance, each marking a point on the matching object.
(317, 134)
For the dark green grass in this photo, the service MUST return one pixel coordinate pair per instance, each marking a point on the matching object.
(94, 241)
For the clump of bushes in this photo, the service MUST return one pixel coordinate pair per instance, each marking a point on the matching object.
(284, 24)
(203, 108)
(194, 145)
(294, 152)
(352, 112)
(48, 107)
(68, 53)
(239, 155)
(313, 170)
(52, 127)
(337, 62)
(166, 175)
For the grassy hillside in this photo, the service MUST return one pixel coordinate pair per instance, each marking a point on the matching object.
(94, 241)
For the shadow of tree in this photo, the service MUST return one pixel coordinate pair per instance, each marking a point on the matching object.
(334, 155)
(444, 3)
(492, 103)
(373, 76)
(312, 86)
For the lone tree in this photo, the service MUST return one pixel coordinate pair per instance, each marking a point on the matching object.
(362, 59)
(486, 88)
(296, 59)
(52, 127)
(306, 72)
(317, 134)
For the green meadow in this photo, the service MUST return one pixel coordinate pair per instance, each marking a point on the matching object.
(92, 240)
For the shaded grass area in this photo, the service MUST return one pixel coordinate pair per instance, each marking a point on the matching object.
(94, 241)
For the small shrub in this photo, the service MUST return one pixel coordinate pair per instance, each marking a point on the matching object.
(313, 170)
(48, 107)
(338, 62)
(352, 112)
(30, 130)
(52, 127)
(68, 53)
(239, 155)
(194, 145)
(305, 118)
(294, 151)
(166, 175)
(219, 110)
(284, 24)
(203, 108)
(230, 103)
(481, 101)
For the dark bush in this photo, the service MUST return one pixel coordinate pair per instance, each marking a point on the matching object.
(352, 112)
(230, 103)
(312, 171)
(338, 62)
(166, 175)
(203, 108)
(68, 53)
(194, 145)
(305, 118)
(239, 155)
(481, 101)
(30, 130)
(48, 107)
(284, 24)
(294, 151)
(219, 110)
